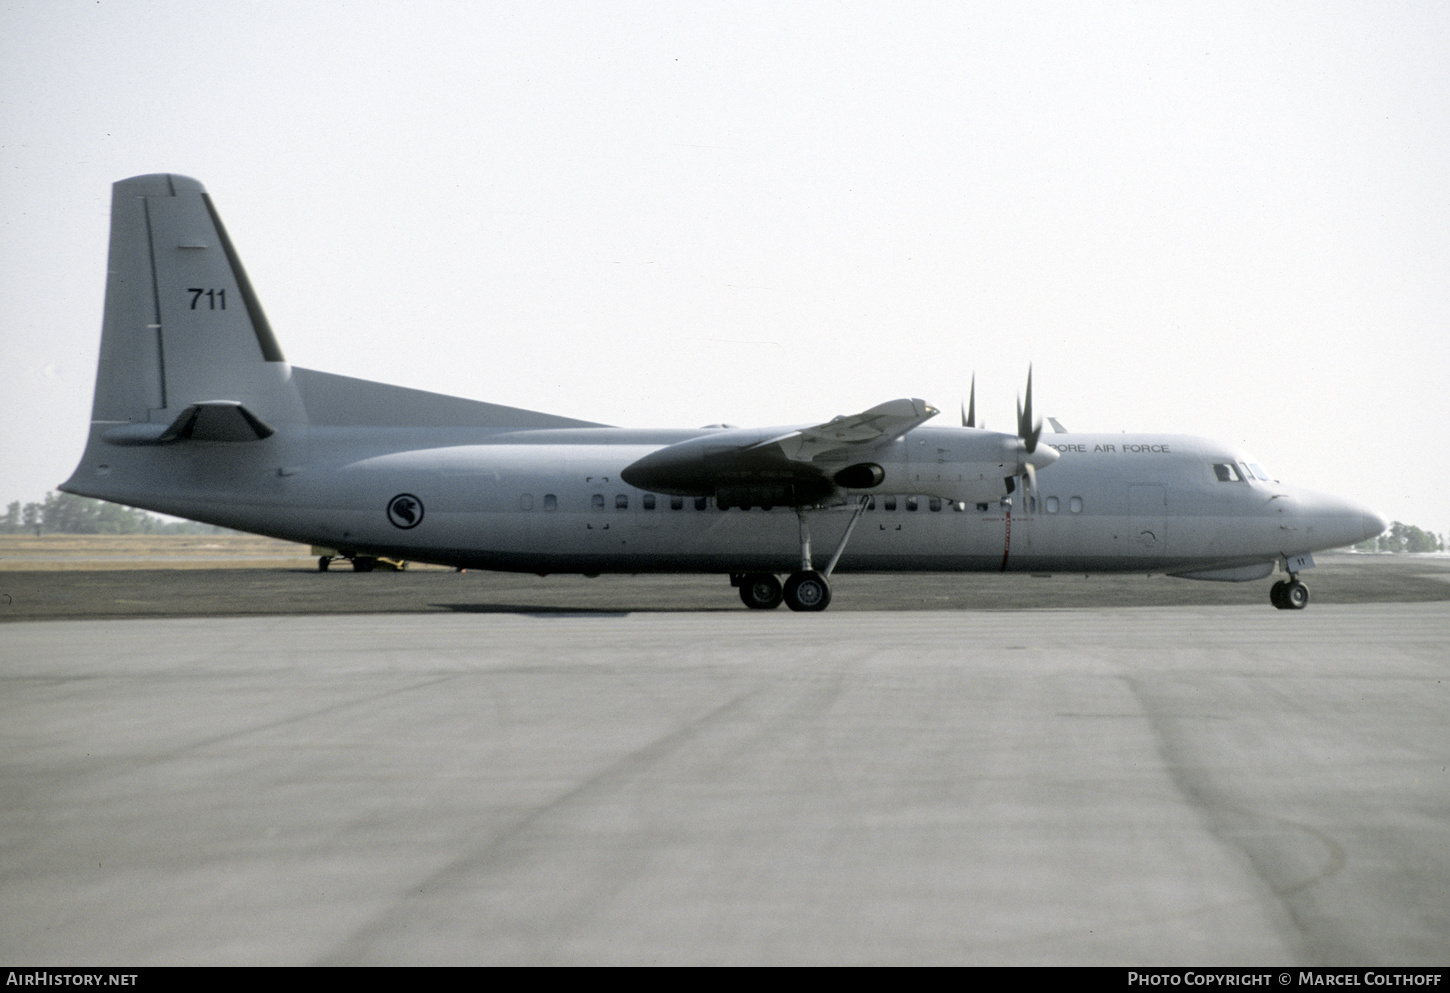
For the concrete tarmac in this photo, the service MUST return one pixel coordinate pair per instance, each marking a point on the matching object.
(193, 592)
(1188, 785)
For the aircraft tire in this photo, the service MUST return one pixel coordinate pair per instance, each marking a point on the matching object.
(364, 563)
(760, 591)
(1296, 596)
(807, 592)
(1276, 595)
(323, 561)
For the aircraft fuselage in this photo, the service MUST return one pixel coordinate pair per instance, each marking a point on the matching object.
(553, 500)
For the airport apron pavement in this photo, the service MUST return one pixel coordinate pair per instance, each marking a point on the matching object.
(1172, 785)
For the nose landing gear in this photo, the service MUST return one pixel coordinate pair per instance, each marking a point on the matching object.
(1289, 594)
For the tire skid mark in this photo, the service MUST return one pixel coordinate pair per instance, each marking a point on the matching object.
(203, 743)
(508, 849)
(1242, 829)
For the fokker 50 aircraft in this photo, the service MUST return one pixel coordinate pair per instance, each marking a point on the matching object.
(198, 414)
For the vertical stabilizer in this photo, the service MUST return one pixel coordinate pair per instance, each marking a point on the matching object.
(182, 324)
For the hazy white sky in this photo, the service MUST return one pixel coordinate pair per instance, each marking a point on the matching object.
(1222, 219)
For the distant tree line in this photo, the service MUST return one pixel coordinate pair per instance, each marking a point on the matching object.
(64, 513)
(1403, 538)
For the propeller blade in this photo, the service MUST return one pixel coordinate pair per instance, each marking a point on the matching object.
(1031, 480)
(969, 414)
(1026, 430)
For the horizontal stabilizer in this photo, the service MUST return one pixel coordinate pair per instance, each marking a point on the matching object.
(210, 420)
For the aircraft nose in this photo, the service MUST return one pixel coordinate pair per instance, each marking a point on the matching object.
(1374, 524)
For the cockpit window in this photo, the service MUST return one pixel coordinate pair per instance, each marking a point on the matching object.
(1259, 472)
(1227, 472)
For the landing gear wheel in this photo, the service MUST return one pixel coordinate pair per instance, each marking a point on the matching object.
(364, 563)
(807, 591)
(1296, 596)
(1289, 594)
(323, 561)
(760, 591)
(1276, 594)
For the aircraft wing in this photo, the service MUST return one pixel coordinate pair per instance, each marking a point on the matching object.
(849, 435)
(785, 468)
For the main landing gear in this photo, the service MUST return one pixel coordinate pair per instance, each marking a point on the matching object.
(806, 589)
(760, 591)
(1289, 594)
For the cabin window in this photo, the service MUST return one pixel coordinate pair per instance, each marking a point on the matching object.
(526, 502)
(621, 502)
(911, 503)
(889, 503)
(551, 502)
(933, 503)
(648, 501)
(597, 501)
(677, 503)
(1051, 505)
(702, 503)
(1227, 472)
(1075, 505)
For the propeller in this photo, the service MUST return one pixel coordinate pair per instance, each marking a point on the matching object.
(1029, 433)
(1028, 459)
(969, 414)
(1026, 430)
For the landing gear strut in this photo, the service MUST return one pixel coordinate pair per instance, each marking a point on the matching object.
(1289, 594)
(807, 589)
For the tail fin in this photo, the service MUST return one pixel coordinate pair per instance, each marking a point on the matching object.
(182, 324)
(187, 357)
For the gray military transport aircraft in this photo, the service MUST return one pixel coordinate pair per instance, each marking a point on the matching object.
(198, 414)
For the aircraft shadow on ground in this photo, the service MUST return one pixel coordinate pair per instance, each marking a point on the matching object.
(507, 608)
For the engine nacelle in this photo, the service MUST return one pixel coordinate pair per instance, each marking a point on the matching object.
(862, 476)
